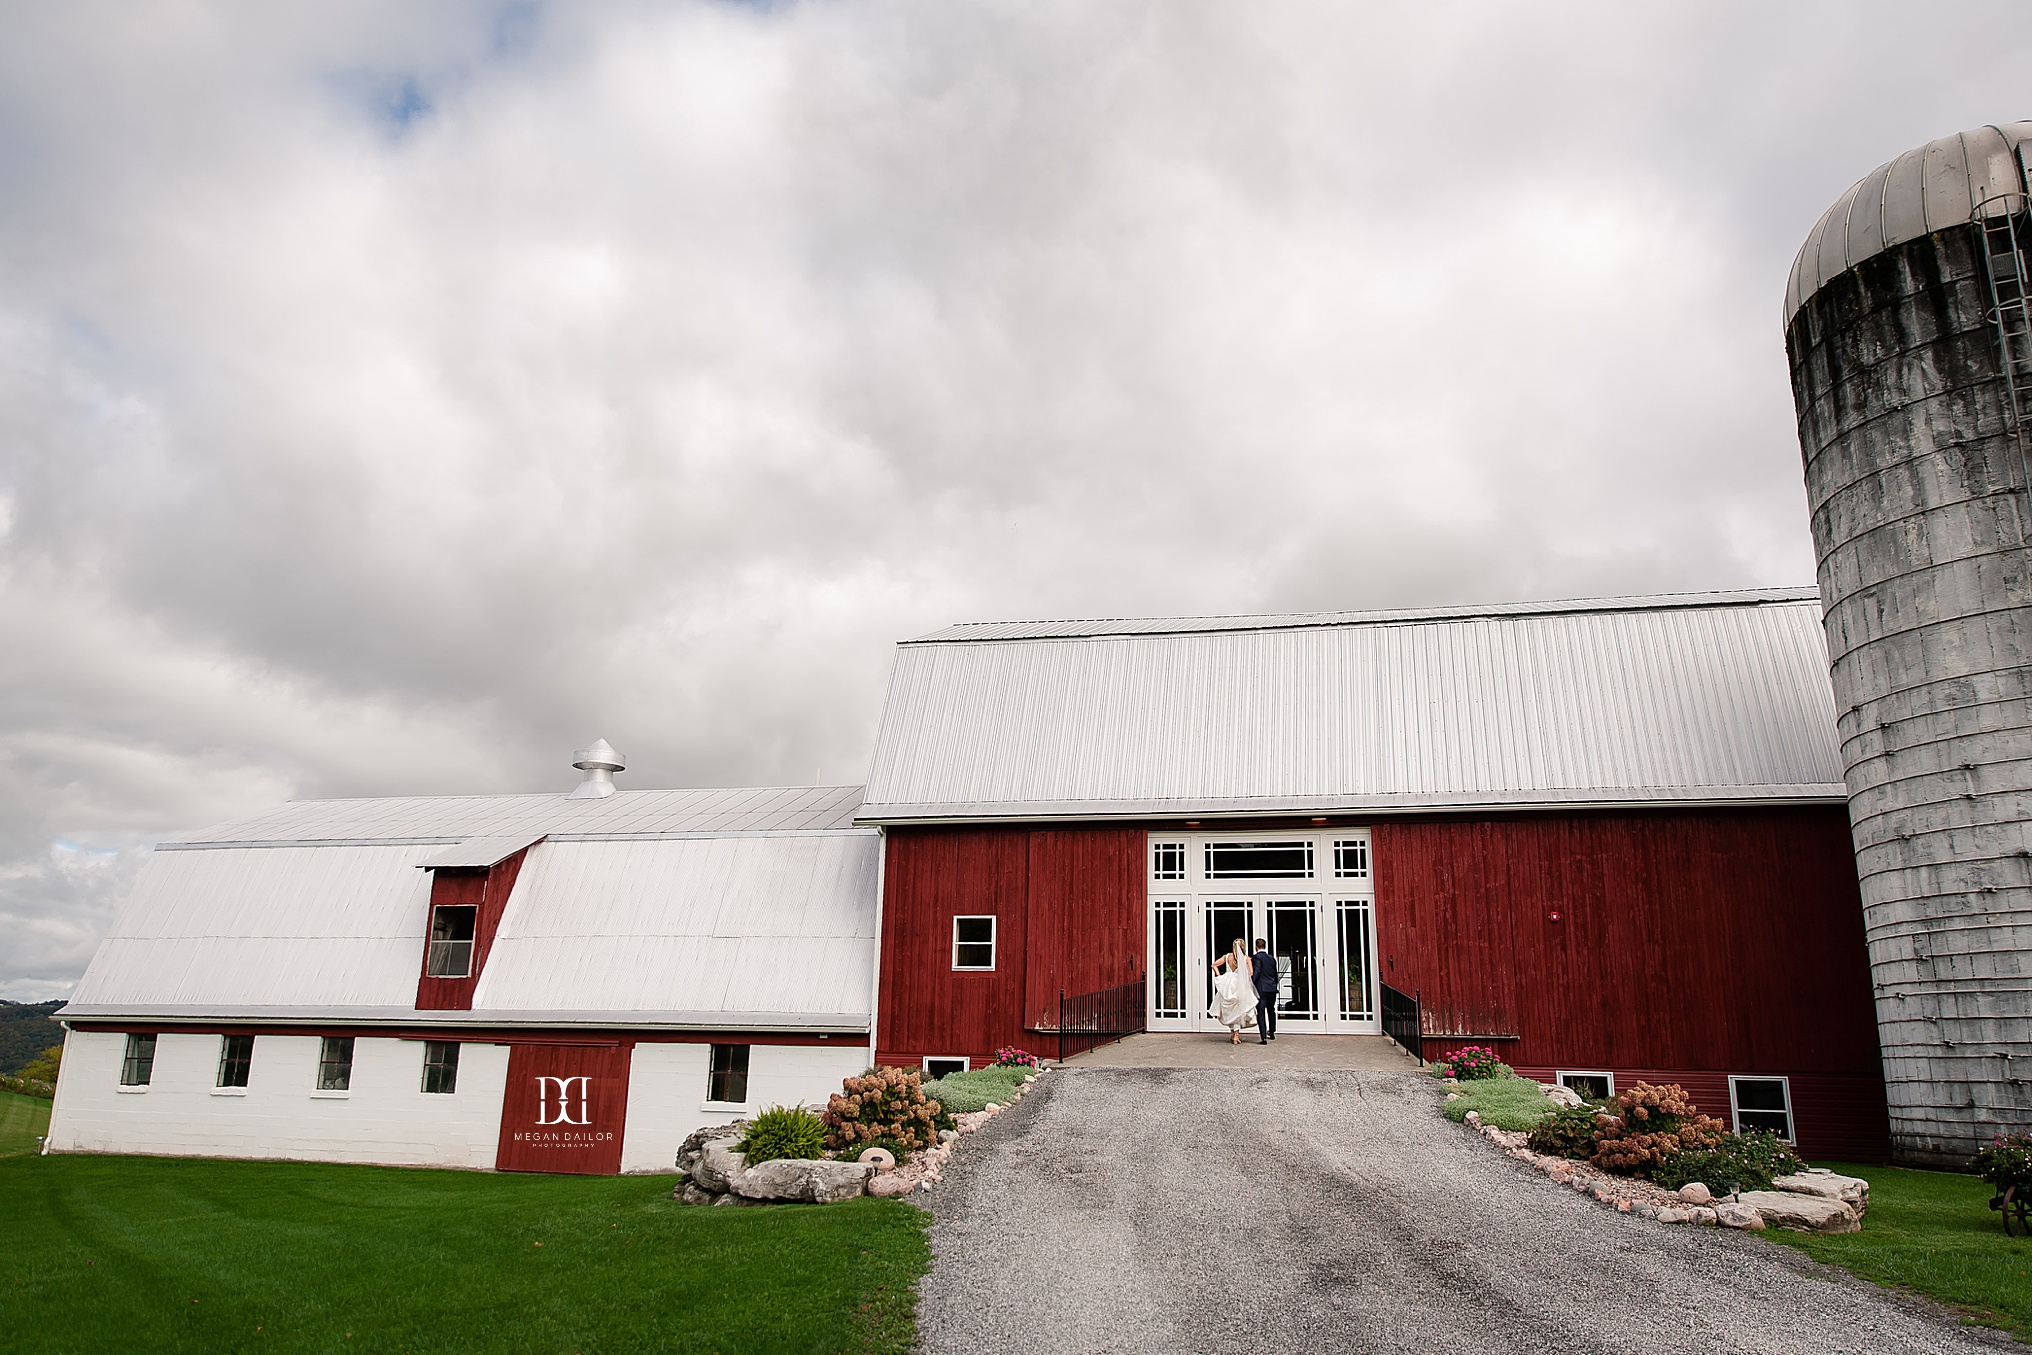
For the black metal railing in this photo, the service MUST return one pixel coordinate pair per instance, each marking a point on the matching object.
(1402, 1021)
(1090, 1020)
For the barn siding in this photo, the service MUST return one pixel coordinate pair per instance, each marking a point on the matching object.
(1069, 907)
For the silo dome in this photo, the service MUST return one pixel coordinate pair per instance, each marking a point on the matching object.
(1908, 324)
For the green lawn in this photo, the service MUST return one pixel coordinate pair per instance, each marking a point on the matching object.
(160, 1254)
(1933, 1233)
(23, 1120)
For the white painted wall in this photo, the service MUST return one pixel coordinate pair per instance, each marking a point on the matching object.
(667, 1091)
(384, 1118)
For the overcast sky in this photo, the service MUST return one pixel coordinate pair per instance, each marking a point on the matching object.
(394, 397)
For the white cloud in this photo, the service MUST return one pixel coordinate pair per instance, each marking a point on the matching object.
(394, 397)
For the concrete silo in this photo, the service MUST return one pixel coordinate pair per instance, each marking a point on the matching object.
(1907, 327)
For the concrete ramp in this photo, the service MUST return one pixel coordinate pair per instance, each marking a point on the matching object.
(1320, 1053)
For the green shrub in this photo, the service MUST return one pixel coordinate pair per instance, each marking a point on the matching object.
(1566, 1133)
(2006, 1162)
(1472, 1064)
(1511, 1102)
(43, 1067)
(881, 1105)
(1747, 1160)
(783, 1131)
(965, 1093)
(1650, 1124)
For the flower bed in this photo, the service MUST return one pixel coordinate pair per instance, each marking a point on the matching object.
(978, 1088)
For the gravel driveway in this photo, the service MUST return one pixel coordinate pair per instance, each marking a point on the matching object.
(1235, 1211)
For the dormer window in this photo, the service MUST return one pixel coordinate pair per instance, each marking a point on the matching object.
(451, 941)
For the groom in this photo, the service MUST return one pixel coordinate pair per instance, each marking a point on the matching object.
(1265, 967)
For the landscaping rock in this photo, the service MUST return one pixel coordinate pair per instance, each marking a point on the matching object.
(1675, 1215)
(1695, 1193)
(804, 1179)
(1564, 1097)
(1852, 1191)
(717, 1166)
(883, 1186)
(880, 1158)
(1739, 1216)
(689, 1151)
(1802, 1213)
(689, 1193)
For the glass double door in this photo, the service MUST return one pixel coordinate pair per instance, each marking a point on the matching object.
(1290, 927)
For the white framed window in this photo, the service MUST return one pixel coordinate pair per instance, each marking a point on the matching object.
(441, 1067)
(1589, 1086)
(1167, 860)
(935, 1068)
(137, 1065)
(1351, 859)
(1761, 1103)
(727, 1076)
(974, 942)
(236, 1060)
(335, 1064)
(450, 955)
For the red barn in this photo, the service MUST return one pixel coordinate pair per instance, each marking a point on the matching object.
(1607, 838)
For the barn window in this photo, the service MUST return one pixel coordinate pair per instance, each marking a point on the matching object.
(1259, 860)
(138, 1066)
(1762, 1103)
(727, 1084)
(1167, 860)
(236, 1057)
(974, 942)
(451, 941)
(335, 1063)
(441, 1067)
(935, 1068)
(1590, 1086)
(1351, 859)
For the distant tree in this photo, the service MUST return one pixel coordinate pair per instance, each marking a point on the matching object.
(43, 1067)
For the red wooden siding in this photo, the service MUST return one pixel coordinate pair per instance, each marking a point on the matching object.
(1069, 907)
(488, 891)
(565, 1109)
(1699, 942)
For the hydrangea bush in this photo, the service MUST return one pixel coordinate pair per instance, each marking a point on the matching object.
(1649, 1125)
(882, 1104)
(1011, 1057)
(1471, 1063)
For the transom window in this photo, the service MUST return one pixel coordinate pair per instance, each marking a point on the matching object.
(138, 1065)
(1167, 860)
(440, 1067)
(335, 1063)
(727, 1083)
(1762, 1103)
(1259, 860)
(236, 1058)
(1351, 860)
(974, 942)
(451, 941)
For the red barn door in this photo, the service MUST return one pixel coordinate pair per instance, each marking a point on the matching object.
(565, 1109)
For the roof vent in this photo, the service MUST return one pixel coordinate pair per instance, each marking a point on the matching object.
(599, 763)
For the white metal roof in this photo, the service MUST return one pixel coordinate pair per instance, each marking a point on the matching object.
(670, 909)
(1703, 698)
(1927, 189)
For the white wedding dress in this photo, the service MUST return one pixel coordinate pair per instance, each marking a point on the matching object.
(1234, 996)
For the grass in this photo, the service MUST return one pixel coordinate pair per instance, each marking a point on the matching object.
(1505, 1102)
(23, 1120)
(167, 1254)
(1932, 1233)
(962, 1093)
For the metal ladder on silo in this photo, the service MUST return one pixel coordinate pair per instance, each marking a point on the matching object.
(2007, 231)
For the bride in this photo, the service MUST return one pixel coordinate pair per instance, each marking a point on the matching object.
(1234, 992)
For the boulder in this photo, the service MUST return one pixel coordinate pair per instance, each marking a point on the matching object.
(1801, 1213)
(880, 1158)
(1739, 1216)
(1852, 1191)
(716, 1167)
(1671, 1215)
(1564, 1097)
(891, 1184)
(815, 1180)
(689, 1193)
(1696, 1194)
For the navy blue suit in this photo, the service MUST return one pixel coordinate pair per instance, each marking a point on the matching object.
(1265, 966)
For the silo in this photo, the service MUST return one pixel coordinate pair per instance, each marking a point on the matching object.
(1911, 353)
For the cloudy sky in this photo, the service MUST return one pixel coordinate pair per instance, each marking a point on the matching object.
(394, 397)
